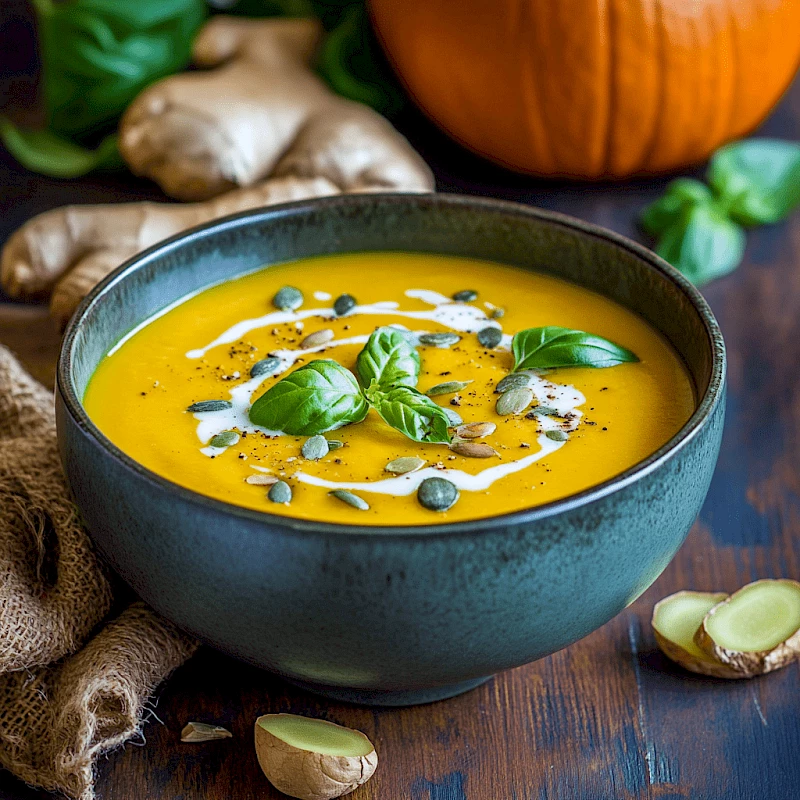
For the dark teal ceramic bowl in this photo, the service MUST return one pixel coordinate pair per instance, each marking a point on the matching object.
(392, 615)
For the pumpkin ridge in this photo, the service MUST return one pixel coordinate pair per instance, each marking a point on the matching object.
(611, 103)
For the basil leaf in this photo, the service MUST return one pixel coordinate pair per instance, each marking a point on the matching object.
(757, 180)
(680, 194)
(48, 154)
(320, 396)
(703, 244)
(388, 360)
(414, 414)
(551, 346)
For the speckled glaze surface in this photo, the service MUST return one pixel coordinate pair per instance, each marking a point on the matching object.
(392, 615)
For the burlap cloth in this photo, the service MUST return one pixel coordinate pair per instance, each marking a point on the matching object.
(73, 683)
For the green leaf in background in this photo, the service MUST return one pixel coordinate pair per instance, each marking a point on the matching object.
(48, 154)
(388, 360)
(413, 414)
(97, 55)
(551, 346)
(320, 396)
(699, 230)
(757, 180)
(703, 244)
(681, 194)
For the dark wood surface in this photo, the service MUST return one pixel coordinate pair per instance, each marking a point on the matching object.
(608, 718)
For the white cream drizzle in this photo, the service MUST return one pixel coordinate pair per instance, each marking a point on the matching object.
(456, 316)
(322, 296)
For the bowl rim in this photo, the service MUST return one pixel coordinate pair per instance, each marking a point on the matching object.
(703, 411)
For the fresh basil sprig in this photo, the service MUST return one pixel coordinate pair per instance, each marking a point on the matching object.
(551, 347)
(388, 360)
(323, 395)
(320, 396)
(700, 230)
(414, 414)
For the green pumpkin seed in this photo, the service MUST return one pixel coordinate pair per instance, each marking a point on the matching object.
(315, 448)
(288, 299)
(437, 494)
(350, 498)
(475, 430)
(334, 444)
(490, 337)
(260, 480)
(317, 338)
(557, 436)
(516, 380)
(280, 492)
(498, 313)
(264, 367)
(224, 439)
(473, 449)
(453, 417)
(402, 466)
(544, 411)
(450, 387)
(465, 296)
(209, 405)
(439, 339)
(343, 304)
(514, 401)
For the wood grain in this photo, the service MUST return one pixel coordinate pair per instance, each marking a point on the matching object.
(606, 718)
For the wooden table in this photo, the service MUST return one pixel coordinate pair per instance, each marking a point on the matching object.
(608, 718)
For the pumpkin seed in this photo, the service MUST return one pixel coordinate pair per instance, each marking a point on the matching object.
(210, 405)
(203, 732)
(317, 338)
(557, 436)
(315, 448)
(473, 449)
(343, 304)
(475, 430)
(280, 492)
(350, 498)
(465, 296)
(437, 494)
(514, 401)
(288, 299)
(490, 337)
(261, 480)
(224, 439)
(516, 380)
(439, 339)
(264, 367)
(498, 313)
(401, 466)
(545, 411)
(450, 387)
(334, 444)
(453, 417)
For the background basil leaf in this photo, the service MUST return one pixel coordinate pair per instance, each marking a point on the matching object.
(551, 346)
(48, 154)
(389, 360)
(413, 414)
(757, 180)
(318, 397)
(680, 194)
(703, 244)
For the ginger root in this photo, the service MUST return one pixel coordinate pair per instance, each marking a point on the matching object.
(272, 124)
(260, 111)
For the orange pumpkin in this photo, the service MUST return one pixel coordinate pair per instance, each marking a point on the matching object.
(592, 88)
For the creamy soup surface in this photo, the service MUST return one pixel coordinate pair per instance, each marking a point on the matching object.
(599, 422)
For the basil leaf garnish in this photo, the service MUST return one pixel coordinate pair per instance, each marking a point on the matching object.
(414, 414)
(318, 397)
(388, 360)
(757, 180)
(551, 346)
